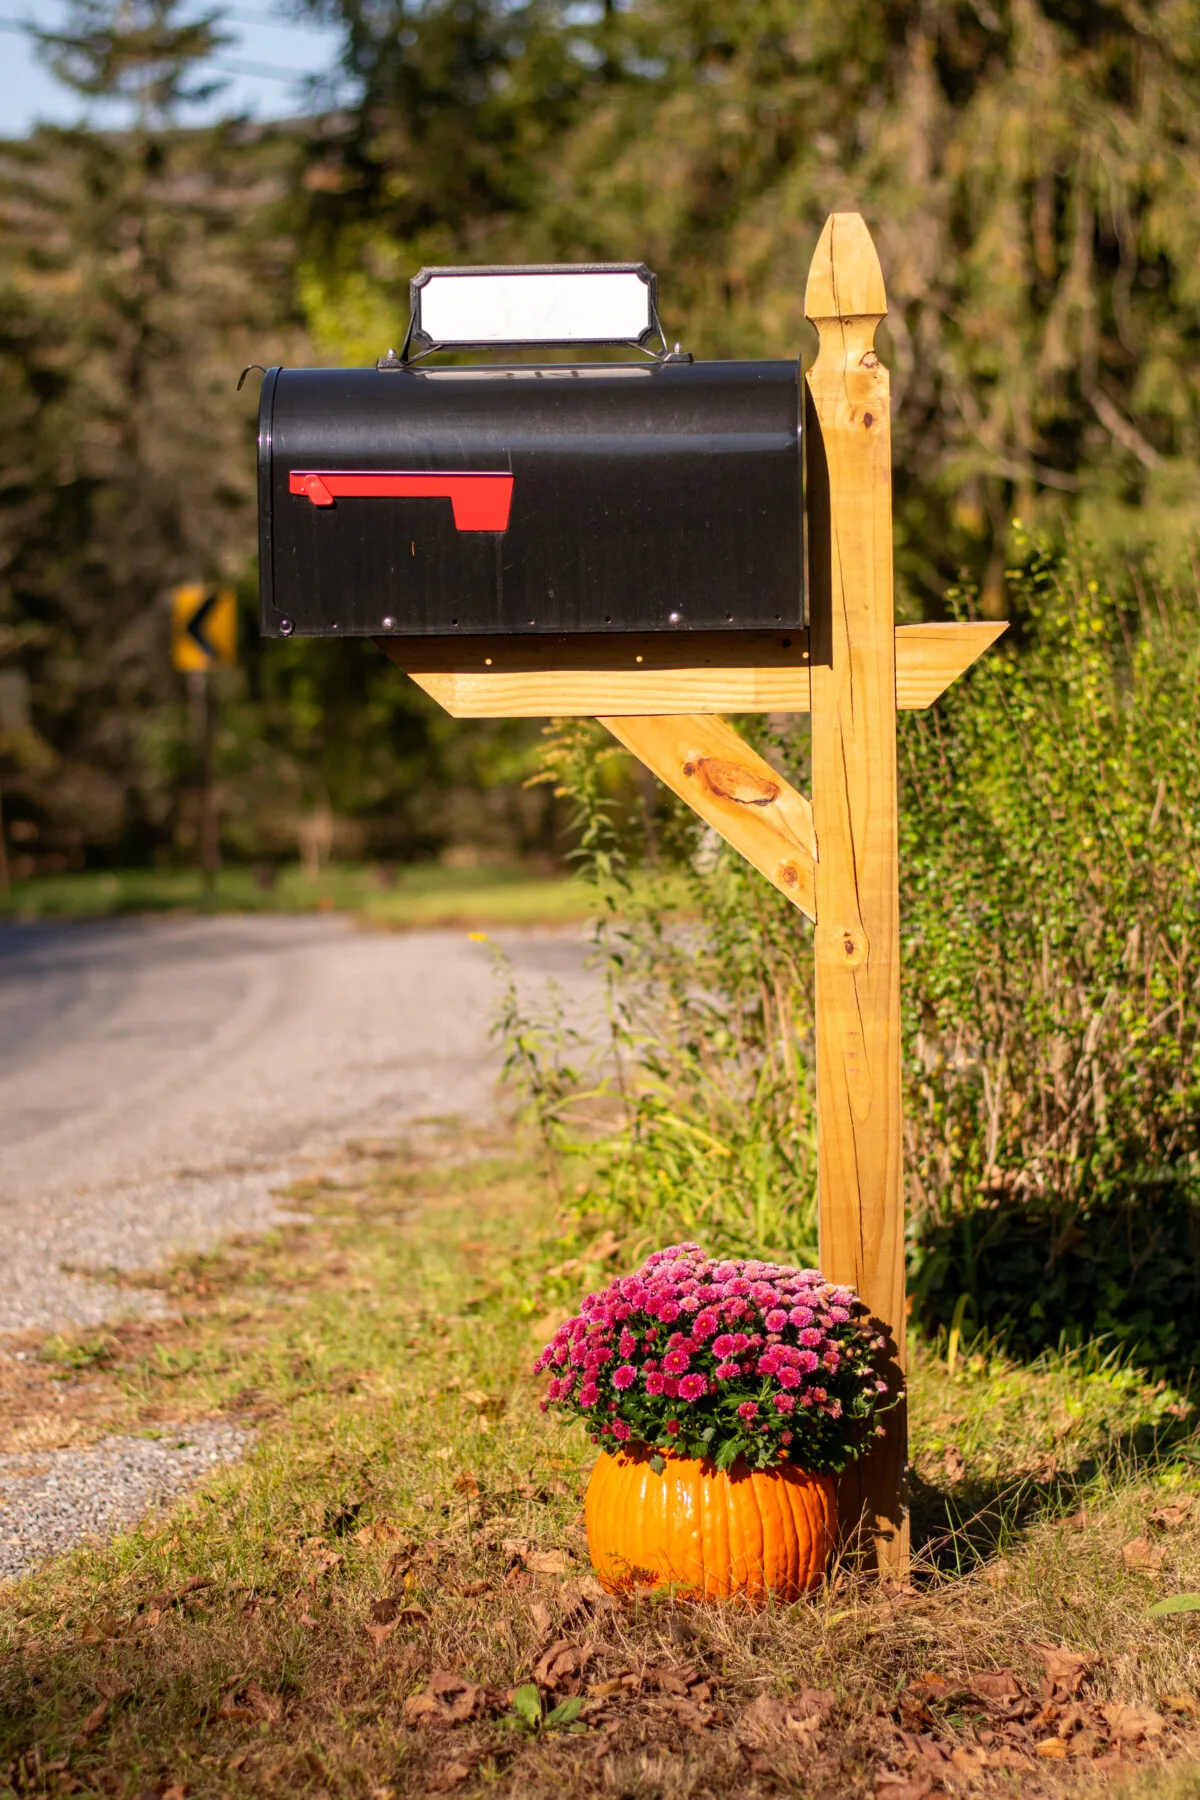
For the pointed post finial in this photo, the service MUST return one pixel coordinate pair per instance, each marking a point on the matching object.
(845, 280)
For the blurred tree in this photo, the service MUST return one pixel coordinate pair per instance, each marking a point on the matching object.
(139, 51)
(1030, 168)
(139, 270)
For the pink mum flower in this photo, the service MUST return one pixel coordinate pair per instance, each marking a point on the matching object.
(621, 1430)
(748, 1410)
(676, 1362)
(624, 1377)
(693, 1387)
(776, 1319)
(655, 1382)
(725, 1371)
(589, 1393)
(784, 1403)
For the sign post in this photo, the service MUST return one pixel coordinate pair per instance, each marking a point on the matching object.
(719, 549)
(203, 638)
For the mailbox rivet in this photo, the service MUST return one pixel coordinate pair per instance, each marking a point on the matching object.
(389, 624)
(637, 659)
(286, 627)
(674, 618)
(487, 662)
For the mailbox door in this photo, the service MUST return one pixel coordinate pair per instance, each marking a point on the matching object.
(609, 497)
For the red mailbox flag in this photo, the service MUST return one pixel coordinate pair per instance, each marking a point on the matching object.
(481, 499)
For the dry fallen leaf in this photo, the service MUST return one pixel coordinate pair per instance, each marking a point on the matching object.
(620, 1684)
(1180, 1703)
(94, 1720)
(968, 1759)
(1053, 1747)
(1173, 1514)
(466, 1484)
(266, 1706)
(1004, 1758)
(954, 1463)
(931, 1686)
(1000, 1684)
(1065, 1668)
(379, 1634)
(583, 1594)
(540, 1618)
(446, 1776)
(558, 1668)
(1140, 1553)
(1130, 1724)
(766, 1720)
(448, 1700)
(379, 1533)
(549, 1562)
(889, 1786)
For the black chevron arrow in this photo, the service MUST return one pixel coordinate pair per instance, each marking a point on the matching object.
(195, 628)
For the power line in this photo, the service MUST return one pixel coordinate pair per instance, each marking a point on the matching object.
(262, 71)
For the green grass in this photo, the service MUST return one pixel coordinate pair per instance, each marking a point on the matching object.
(425, 894)
(408, 1510)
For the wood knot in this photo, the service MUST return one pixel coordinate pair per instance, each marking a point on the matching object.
(868, 420)
(732, 781)
(870, 360)
(789, 874)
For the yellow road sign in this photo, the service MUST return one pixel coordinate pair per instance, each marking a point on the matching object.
(203, 627)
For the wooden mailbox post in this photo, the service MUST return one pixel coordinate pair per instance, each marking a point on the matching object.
(662, 694)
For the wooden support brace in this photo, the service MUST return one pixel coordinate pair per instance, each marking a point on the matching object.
(706, 763)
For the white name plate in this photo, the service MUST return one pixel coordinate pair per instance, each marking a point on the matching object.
(553, 303)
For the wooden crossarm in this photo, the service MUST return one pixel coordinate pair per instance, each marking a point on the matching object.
(613, 674)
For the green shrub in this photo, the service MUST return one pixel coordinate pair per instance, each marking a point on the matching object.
(1050, 885)
(1050, 912)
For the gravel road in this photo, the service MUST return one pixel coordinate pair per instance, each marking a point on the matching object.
(159, 1082)
(159, 1079)
(51, 1502)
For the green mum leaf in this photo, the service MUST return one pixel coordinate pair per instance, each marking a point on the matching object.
(528, 1703)
(1174, 1603)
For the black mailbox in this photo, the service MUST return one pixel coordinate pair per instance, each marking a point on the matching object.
(559, 498)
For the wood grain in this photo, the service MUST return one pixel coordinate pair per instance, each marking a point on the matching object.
(857, 940)
(930, 657)
(704, 672)
(705, 762)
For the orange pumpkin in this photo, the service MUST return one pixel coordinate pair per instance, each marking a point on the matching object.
(740, 1531)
